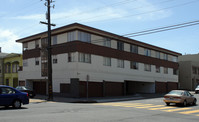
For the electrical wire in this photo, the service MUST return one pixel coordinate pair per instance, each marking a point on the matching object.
(166, 28)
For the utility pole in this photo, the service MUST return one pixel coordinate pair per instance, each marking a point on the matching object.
(50, 83)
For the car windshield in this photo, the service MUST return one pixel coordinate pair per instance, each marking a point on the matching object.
(197, 86)
(22, 88)
(176, 92)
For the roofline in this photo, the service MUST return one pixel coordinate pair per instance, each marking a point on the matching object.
(77, 26)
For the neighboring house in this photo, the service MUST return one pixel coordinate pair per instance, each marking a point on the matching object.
(113, 65)
(12, 63)
(189, 71)
(2, 55)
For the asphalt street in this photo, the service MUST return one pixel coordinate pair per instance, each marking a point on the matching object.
(141, 110)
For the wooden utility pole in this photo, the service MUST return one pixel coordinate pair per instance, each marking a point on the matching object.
(50, 83)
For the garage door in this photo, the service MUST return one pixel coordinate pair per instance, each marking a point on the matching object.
(39, 87)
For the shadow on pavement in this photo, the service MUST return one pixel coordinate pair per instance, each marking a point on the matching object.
(97, 99)
(11, 108)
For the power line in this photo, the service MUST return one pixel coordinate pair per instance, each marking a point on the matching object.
(166, 28)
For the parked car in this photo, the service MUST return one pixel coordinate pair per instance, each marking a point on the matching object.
(30, 92)
(9, 96)
(197, 89)
(180, 97)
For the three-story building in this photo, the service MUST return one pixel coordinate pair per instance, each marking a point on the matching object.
(89, 60)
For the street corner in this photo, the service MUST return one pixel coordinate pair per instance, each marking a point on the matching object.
(37, 101)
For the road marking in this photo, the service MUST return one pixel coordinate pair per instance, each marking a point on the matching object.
(135, 106)
(178, 109)
(160, 108)
(153, 106)
(189, 112)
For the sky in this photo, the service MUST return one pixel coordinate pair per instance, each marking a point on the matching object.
(21, 18)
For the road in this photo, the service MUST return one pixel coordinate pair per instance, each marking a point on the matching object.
(143, 110)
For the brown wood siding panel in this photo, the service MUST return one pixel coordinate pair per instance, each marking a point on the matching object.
(114, 89)
(95, 89)
(82, 89)
(31, 53)
(64, 88)
(171, 86)
(78, 46)
(39, 87)
(161, 87)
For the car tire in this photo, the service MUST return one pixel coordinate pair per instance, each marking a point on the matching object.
(194, 102)
(17, 104)
(184, 103)
(168, 104)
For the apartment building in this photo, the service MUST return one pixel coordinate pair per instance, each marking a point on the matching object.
(93, 62)
(2, 55)
(189, 71)
(12, 64)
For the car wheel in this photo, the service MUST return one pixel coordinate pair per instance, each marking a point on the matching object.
(194, 102)
(168, 104)
(16, 104)
(184, 103)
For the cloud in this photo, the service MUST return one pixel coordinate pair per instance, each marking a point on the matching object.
(29, 17)
(7, 42)
(138, 10)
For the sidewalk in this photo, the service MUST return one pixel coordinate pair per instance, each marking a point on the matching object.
(42, 98)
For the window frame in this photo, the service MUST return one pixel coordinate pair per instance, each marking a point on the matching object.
(120, 45)
(107, 42)
(147, 52)
(84, 57)
(134, 49)
(147, 67)
(120, 63)
(106, 61)
(134, 65)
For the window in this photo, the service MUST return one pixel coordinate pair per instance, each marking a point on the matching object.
(54, 57)
(71, 57)
(25, 63)
(194, 70)
(198, 71)
(147, 52)
(147, 67)
(7, 68)
(134, 49)
(158, 55)
(71, 36)
(175, 59)
(36, 43)
(37, 61)
(175, 71)
(44, 69)
(15, 67)
(120, 63)
(120, 45)
(44, 42)
(107, 61)
(25, 46)
(83, 36)
(54, 40)
(165, 70)
(157, 69)
(86, 58)
(7, 91)
(107, 42)
(134, 65)
(165, 56)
